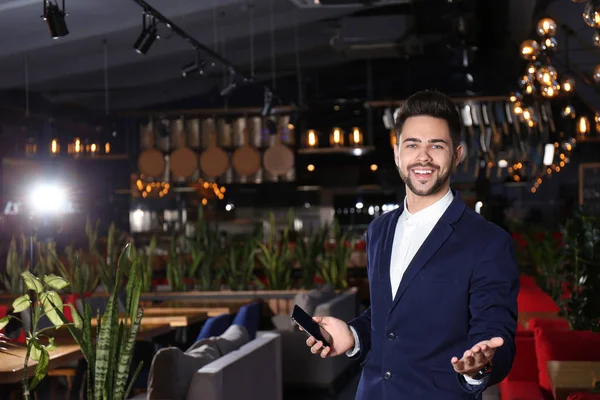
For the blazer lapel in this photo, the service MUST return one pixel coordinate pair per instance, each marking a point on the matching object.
(385, 252)
(438, 236)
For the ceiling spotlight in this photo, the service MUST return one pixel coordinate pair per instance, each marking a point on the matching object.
(55, 18)
(147, 37)
(227, 90)
(196, 67)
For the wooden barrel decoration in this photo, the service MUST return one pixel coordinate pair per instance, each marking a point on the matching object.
(286, 129)
(192, 128)
(225, 134)
(151, 163)
(147, 136)
(246, 159)
(238, 128)
(183, 163)
(177, 133)
(213, 161)
(278, 159)
(255, 131)
(162, 135)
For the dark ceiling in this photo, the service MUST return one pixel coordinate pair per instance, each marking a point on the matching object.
(387, 50)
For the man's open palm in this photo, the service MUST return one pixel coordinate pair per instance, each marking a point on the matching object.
(477, 357)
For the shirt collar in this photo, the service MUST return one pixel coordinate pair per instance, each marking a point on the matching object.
(432, 213)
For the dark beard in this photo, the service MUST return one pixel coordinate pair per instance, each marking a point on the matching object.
(435, 188)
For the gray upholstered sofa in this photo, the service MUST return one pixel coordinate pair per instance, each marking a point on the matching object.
(300, 366)
(219, 369)
(252, 372)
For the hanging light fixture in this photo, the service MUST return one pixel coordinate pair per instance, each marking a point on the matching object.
(54, 147)
(55, 18)
(583, 126)
(336, 138)
(30, 147)
(311, 139)
(356, 138)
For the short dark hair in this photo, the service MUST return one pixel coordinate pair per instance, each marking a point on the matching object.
(433, 104)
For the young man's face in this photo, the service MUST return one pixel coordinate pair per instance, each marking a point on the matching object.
(425, 156)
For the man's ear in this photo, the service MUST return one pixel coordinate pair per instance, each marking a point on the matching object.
(458, 154)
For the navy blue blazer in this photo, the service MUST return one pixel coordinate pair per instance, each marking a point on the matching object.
(460, 288)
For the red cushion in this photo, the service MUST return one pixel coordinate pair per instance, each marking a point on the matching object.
(524, 366)
(535, 300)
(527, 281)
(584, 396)
(563, 345)
(3, 312)
(549, 323)
(520, 391)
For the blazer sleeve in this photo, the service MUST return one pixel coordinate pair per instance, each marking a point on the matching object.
(362, 326)
(362, 323)
(493, 304)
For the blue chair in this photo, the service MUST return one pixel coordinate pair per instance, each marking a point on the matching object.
(214, 326)
(249, 317)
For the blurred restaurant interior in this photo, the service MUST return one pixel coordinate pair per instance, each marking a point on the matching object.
(242, 147)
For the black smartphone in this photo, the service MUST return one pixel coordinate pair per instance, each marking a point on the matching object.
(305, 321)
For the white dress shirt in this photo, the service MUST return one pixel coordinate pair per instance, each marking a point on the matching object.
(411, 232)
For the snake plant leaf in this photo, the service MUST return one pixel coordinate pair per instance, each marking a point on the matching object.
(4, 321)
(133, 379)
(21, 303)
(134, 289)
(40, 370)
(32, 282)
(125, 354)
(107, 347)
(56, 282)
(51, 302)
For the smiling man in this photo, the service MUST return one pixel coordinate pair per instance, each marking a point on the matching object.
(443, 280)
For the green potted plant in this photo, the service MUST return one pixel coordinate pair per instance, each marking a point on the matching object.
(333, 266)
(547, 258)
(205, 247)
(109, 355)
(581, 237)
(309, 251)
(239, 264)
(43, 301)
(276, 256)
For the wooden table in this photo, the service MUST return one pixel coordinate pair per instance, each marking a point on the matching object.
(179, 320)
(567, 377)
(146, 333)
(11, 365)
(210, 307)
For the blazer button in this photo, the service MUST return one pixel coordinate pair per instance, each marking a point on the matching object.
(387, 375)
(391, 336)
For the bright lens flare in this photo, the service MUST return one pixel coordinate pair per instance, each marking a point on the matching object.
(48, 199)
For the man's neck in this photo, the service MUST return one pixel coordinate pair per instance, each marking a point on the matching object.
(415, 203)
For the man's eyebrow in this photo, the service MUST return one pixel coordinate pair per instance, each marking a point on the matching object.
(409, 139)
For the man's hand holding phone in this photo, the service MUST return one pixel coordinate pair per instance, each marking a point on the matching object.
(342, 338)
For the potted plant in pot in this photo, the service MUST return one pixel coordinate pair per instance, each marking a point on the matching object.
(109, 353)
